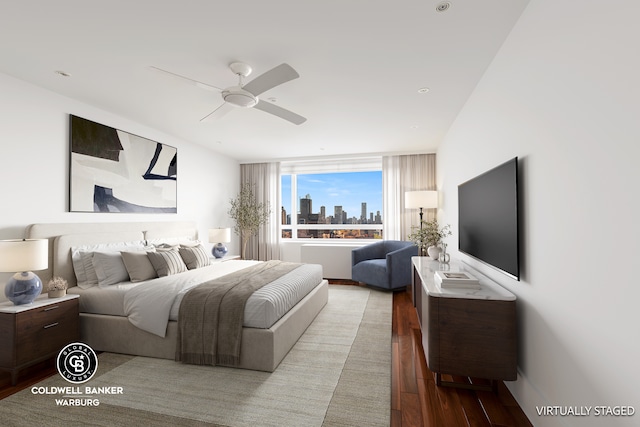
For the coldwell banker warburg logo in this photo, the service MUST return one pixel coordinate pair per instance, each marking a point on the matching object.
(77, 363)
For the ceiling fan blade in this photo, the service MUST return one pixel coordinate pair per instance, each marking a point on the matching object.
(218, 112)
(272, 78)
(186, 79)
(270, 108)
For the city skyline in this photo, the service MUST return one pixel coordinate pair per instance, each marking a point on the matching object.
(346, 189)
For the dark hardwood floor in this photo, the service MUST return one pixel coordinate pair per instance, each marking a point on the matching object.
(415, 399)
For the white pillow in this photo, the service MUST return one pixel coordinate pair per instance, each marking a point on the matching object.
(82, 259)
(83, 268)
(109, 268)
(172, 241)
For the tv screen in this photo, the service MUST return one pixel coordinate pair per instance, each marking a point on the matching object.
(488, 218)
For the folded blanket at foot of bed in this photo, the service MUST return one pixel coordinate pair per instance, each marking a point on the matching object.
(211, 314)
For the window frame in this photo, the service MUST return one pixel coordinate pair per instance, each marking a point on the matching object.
(343, 165)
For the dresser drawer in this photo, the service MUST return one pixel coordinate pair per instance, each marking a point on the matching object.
(43, 331)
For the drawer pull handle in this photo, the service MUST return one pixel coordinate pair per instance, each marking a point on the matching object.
(51, 308)
(51, 325)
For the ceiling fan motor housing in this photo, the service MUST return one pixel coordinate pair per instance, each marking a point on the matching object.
(239, 97)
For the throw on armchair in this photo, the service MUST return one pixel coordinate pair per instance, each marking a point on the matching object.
(385, 264)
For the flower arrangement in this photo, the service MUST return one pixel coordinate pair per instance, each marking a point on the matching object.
(57, 287)
(430, 234)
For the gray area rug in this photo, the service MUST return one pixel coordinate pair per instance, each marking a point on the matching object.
(337, 374)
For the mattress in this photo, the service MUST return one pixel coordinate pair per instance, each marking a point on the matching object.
(263, 308)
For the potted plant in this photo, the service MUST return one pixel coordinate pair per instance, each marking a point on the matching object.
(248, 214)
(57, 287)
(428, 236)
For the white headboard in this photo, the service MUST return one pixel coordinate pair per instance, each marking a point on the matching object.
(63, 236)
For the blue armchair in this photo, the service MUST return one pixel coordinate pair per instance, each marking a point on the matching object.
(385, 264)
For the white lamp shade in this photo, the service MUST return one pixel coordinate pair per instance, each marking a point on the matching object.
(219, 235)
(24, 255)
(421, 199)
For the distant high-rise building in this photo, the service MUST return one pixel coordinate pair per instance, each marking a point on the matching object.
(378, 218)
(305, 210)
(283, 216)
(337, 214)
(363, 213)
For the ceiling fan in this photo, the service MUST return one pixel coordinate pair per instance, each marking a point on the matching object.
(246, 95)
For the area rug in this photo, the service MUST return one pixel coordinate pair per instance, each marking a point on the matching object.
(337, 374)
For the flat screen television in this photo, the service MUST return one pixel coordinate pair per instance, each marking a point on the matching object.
(488, 218)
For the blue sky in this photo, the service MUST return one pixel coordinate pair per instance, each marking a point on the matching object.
(347, 189)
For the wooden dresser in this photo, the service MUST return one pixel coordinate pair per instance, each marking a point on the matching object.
(36, 332)
(465, 332)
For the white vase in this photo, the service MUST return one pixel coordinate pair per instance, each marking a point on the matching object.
(433, 251)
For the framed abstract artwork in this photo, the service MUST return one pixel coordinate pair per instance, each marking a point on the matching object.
(116, 171)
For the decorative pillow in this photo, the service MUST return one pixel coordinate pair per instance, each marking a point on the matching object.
(194, 256)
(82, 260)
(109, 268)
(138, 266)
(167, 262)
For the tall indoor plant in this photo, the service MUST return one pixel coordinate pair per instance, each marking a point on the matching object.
(428, 236)
(248, 214)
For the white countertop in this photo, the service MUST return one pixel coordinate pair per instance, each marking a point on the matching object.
(489, 290)
(41, 301)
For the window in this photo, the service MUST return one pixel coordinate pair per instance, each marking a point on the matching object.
(320, 203)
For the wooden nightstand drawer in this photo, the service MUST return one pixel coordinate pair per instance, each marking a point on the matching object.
(33, 333)
(46, 330)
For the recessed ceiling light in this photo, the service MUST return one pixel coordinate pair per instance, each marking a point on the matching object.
(62, 73)
(423, 90)
(414, 127)
(443, 6)
(272, 99)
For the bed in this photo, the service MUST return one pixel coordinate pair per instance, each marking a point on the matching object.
(107, 329)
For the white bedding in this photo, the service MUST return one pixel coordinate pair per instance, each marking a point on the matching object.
(149, 305)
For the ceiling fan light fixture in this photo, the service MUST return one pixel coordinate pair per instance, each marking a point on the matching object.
(239, 97)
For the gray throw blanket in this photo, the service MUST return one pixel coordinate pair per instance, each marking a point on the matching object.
(211, 314)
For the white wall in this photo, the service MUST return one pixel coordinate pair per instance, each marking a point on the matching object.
(35, 160)
(563, 95)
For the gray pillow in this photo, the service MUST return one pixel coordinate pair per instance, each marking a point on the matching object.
(138, 266)
(167, 262)
(194, 256)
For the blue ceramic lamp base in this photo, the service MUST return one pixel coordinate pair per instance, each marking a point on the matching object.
(219, 250)
(23, 288)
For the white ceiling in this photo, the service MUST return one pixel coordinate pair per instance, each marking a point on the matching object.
(361, 63)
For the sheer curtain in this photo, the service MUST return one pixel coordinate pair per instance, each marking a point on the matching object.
(265, 179)
(400, 174)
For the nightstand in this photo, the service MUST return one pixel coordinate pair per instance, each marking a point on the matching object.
(36, 332)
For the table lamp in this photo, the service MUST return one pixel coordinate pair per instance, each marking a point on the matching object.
(23, 255)
(219, 236)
